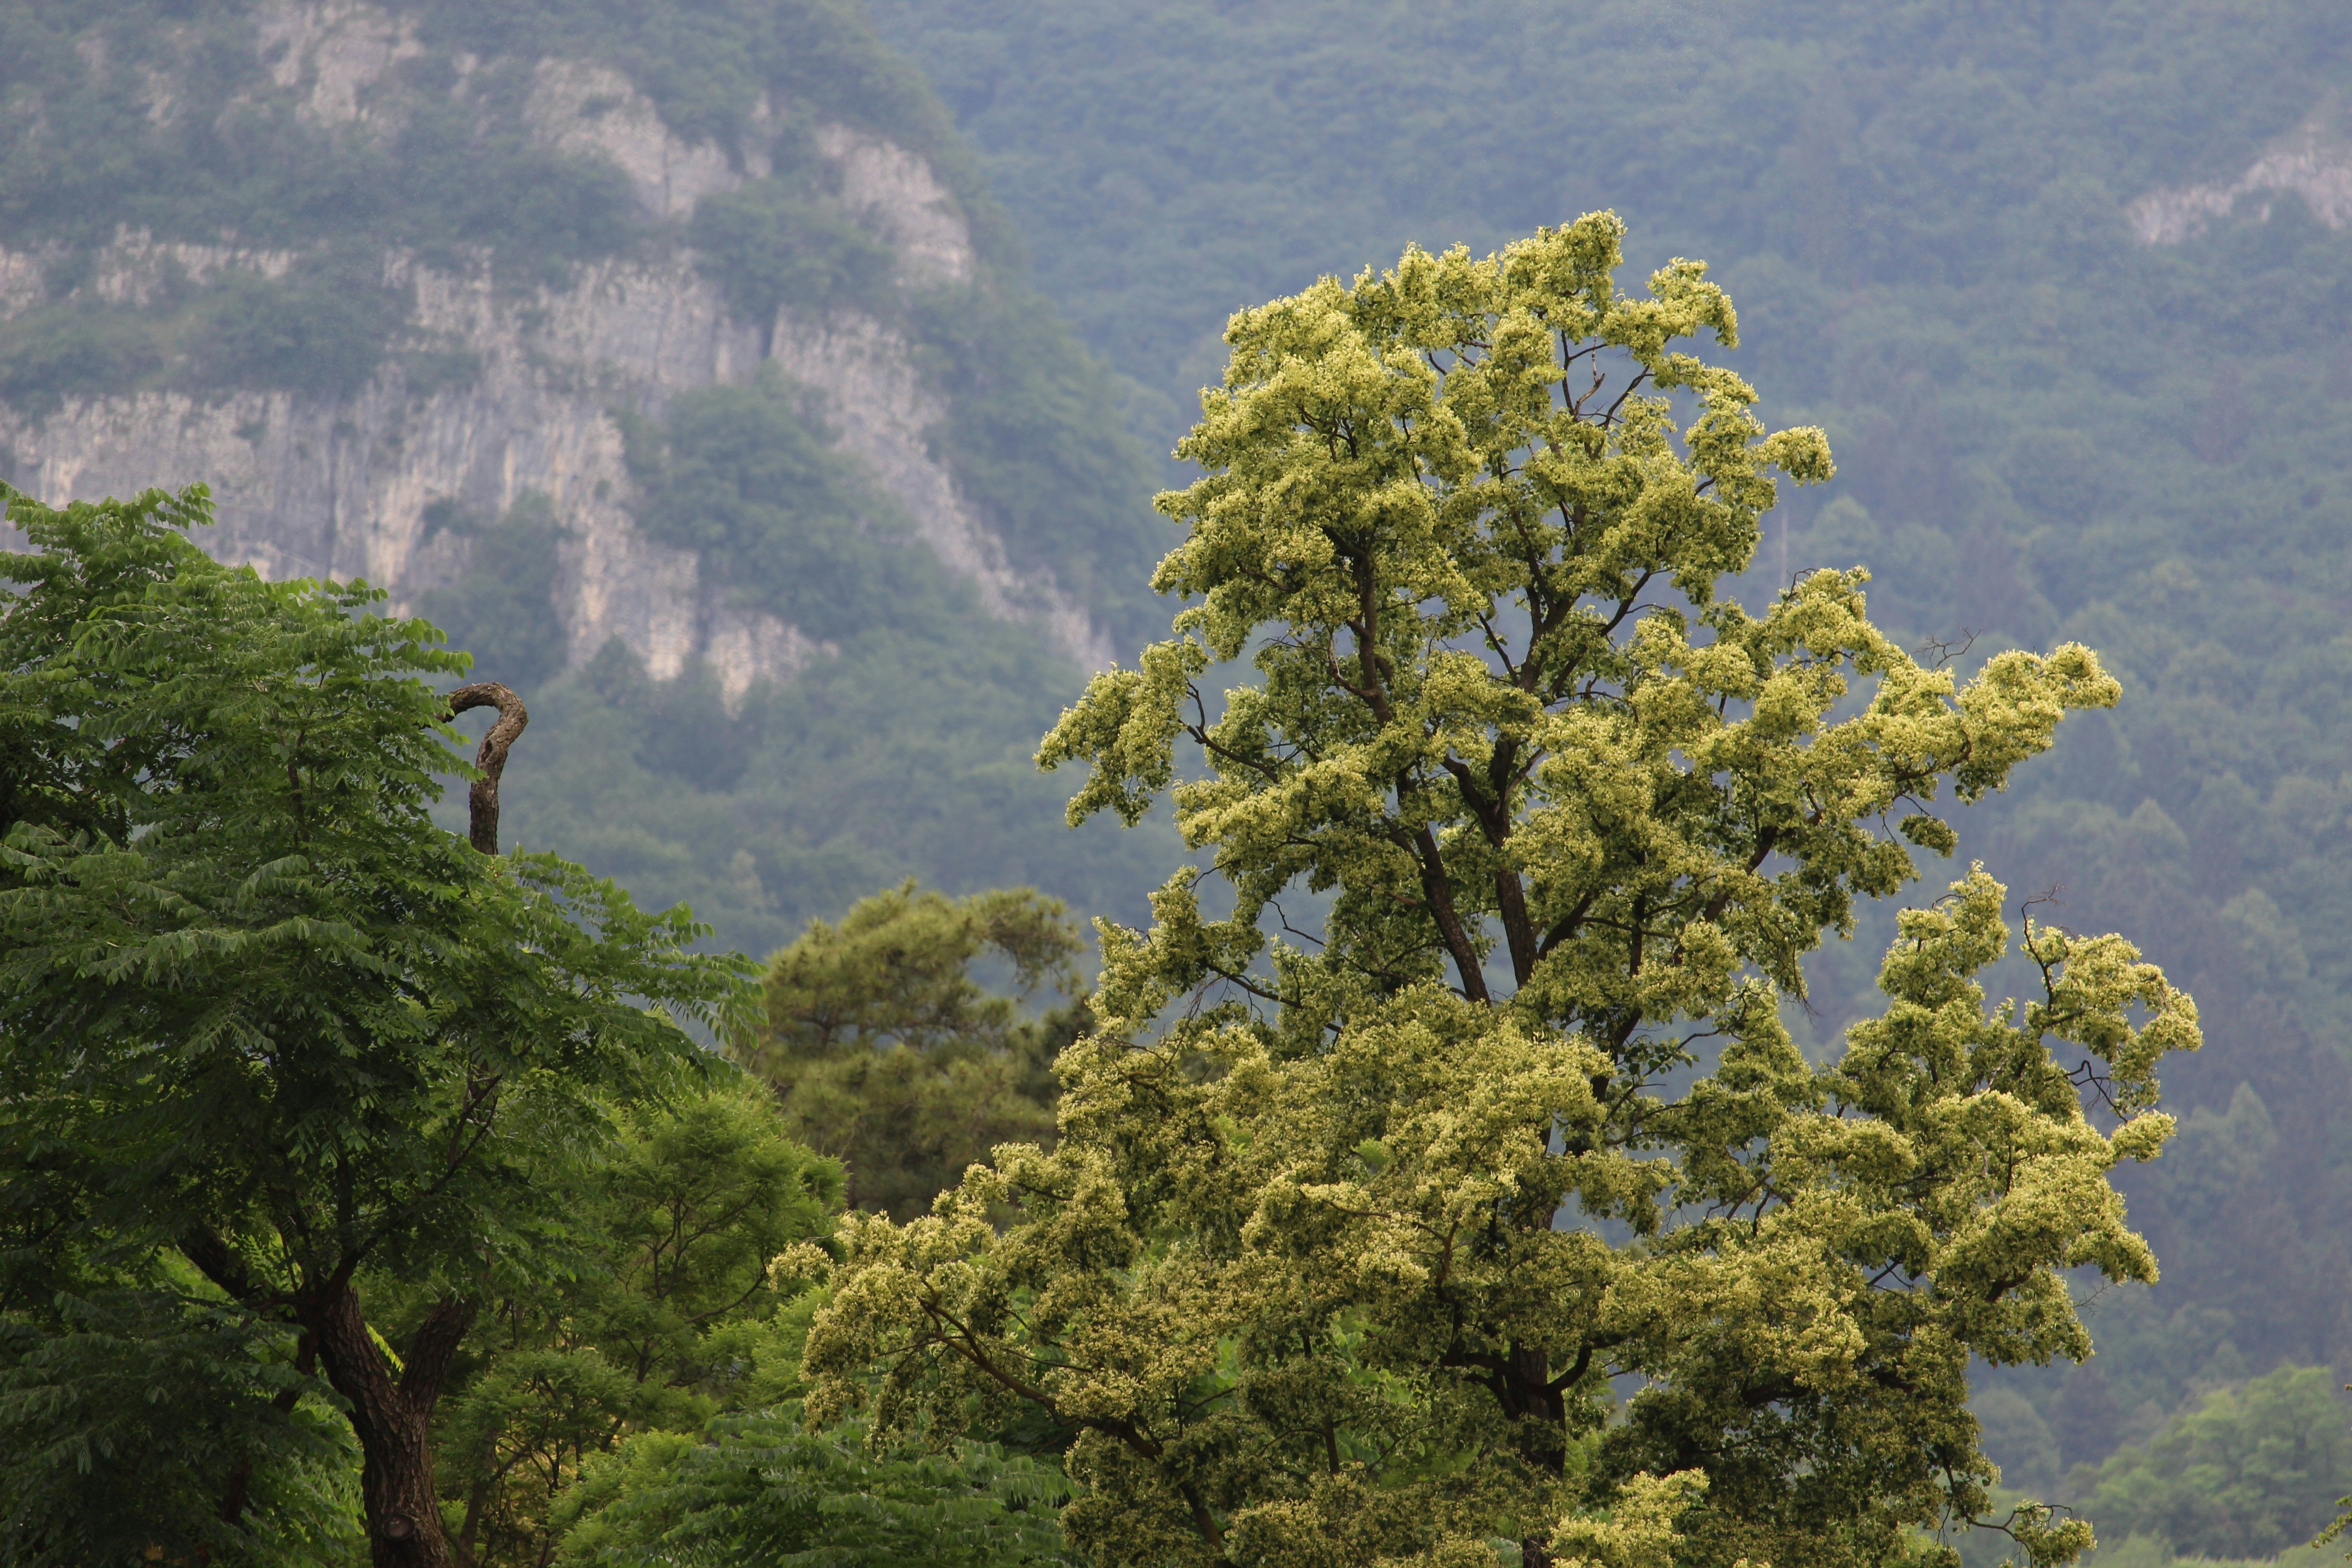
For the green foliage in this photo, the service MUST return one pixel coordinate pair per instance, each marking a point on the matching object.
(769, 245)
(1342, 1238)
(747, 473)
(2253, 1471)
(886, 1053)
(2045, 430)
(147, 116)
(2336, 1528)
(89, 348)
(502, 609)
(208, 145)
(2145, 1552)
(906, 751)
(229, 154)
(261, 1017)
(759, 1490)
(1029, 436)
(707, 63)
(1984, 1549)
(2017, 1436)
(1803, 146)
(666, 1317)
(322, 330)
(128, 1416)
(225, 150)
(748, 476)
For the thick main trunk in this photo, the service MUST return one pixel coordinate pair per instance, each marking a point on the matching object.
(393, 1420)
(391, 1414)
(1528, 1394)
(403, 1520)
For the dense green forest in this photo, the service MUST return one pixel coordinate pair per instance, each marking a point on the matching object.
(366, 1189)
(2057, 414)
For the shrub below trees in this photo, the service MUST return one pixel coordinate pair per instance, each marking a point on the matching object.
(761, 1490)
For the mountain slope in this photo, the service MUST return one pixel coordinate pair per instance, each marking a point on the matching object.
(670, 346)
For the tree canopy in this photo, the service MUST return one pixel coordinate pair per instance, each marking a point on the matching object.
(1349, 1228)
(2063, 407)
(664, 1319)
(885, 1052)
(264, 1027)
(2241, 1476)
(762, 1488)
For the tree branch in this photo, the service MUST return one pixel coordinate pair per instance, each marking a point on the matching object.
(482, 798)
(433, 1349)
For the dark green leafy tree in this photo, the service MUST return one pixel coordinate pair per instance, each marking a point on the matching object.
(668, 1317)
(762, 1490)
(748, 476)
(258, 1016)
(771, 245)
(136, 1412)
(888, 1053)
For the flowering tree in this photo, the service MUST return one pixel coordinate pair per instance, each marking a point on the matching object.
(1350, 1228)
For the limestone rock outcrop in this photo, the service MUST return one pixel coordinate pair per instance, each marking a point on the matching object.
(2314, 162)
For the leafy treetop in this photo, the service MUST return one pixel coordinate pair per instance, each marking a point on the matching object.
(665, 1319)
(885, 1051)
(257, 1013)
(1347, 1230)
(762, 1488)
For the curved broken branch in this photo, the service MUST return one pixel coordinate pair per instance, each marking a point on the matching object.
(491, 760)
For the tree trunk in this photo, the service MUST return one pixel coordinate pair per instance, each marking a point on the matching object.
(392, 1417)
(393, 1420)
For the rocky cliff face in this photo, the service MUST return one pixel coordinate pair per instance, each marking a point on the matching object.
(343, 485)
(2314, 162)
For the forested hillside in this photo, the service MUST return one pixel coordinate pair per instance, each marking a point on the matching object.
(2067, 286)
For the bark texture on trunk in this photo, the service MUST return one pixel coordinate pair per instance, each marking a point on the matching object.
(391, 1410)
(482, 798)
(393, 1418)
